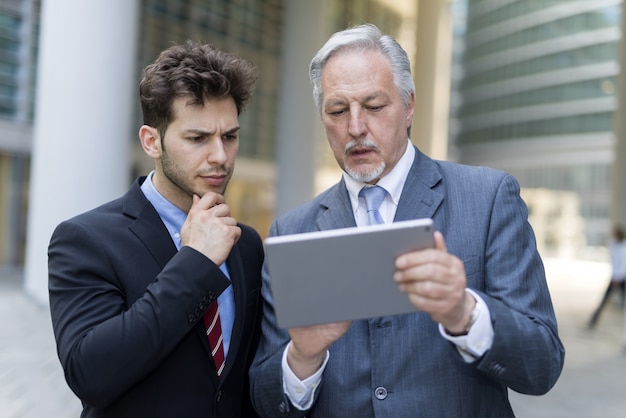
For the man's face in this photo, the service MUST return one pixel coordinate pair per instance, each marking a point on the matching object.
(363, 114)
(197, 153)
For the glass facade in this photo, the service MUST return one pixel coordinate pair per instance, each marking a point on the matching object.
(19, 25)
(10, 23)
(542, 73)
(530, 76)
(251, 29)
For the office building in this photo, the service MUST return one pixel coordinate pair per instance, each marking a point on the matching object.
(536, 96)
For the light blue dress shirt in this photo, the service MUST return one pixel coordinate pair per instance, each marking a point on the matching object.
(174, 218)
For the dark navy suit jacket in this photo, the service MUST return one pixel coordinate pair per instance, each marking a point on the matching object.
(126, 310)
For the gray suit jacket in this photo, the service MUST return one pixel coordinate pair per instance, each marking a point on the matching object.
(399, 366)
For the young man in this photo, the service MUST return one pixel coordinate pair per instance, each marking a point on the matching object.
(135, 283)
(485, 320)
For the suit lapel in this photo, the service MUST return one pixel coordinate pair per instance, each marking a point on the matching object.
(336, 209)
(420, 197)
(157, 240)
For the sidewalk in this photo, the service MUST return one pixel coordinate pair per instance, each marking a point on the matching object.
(591, 385)
(31, 379)
(594, 377)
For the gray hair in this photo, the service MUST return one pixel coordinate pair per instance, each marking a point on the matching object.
(364, 37)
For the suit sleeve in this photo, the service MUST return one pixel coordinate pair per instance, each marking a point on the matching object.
(527, 354)
(105, 343)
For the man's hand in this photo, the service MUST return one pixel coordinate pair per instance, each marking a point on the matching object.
(308, 346)
(435, 282)
(209, 228)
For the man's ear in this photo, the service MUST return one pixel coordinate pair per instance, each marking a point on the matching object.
(410, 108)
(150, 141)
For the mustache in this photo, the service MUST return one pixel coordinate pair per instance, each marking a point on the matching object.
(363, 143)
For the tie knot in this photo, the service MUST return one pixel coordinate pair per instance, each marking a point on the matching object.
(373, 196)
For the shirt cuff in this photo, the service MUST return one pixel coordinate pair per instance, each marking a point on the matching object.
(300, 392)
(479, 339)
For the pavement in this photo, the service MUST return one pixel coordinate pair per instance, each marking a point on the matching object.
(591, 385)
(593, 381)
(31, 379)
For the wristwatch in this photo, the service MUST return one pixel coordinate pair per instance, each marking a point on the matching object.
(473, 317)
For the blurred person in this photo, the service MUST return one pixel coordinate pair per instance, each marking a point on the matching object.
(134, 283)
(486, 321)
(617, 252)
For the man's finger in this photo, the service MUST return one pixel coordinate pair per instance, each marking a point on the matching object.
(440, 243)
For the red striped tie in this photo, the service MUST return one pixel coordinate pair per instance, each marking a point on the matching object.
(214, 333)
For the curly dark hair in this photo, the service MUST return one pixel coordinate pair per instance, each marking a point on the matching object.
(197, 71)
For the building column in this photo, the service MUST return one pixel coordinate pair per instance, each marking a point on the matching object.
(431, 71)
(298, 122)
(86, 90)
(618, 167)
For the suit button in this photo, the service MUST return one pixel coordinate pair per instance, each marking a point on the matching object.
(282, 408)
(497, 368)
(192, 318)
(381, 393)
(219, 395)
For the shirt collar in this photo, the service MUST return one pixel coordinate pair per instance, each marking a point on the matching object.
(172, 216)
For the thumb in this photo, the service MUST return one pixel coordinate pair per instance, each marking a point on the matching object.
(194, 201)
(440, 243)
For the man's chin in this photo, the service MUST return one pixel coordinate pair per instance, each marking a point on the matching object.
(218, 190)
(366, 176)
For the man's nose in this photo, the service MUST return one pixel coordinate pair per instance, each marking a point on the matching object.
(356, 125)
(216, 153)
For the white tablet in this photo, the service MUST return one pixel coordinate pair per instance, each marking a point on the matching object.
(341, 274)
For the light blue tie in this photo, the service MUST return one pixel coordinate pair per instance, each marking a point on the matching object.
(374, 197)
